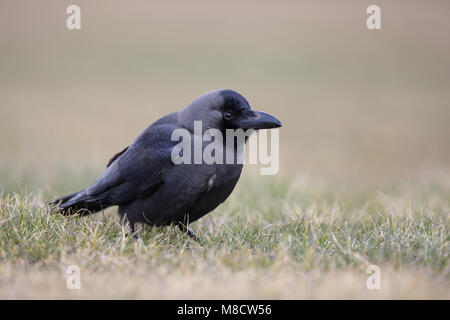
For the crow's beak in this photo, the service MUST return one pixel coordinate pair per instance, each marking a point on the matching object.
(259, 120)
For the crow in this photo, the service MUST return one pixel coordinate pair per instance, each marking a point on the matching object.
(148, 186)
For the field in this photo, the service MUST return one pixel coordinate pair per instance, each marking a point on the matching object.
(364, 148)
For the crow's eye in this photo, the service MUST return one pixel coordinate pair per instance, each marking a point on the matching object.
(227, 115)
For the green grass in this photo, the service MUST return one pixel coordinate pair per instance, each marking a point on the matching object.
(268, 227)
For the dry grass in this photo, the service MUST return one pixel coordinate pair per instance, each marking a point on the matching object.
(221, 284)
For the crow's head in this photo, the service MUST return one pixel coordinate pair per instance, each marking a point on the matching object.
(225, 109)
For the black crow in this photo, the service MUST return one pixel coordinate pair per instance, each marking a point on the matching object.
(149, 187)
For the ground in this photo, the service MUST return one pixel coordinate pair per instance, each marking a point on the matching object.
(270, 240)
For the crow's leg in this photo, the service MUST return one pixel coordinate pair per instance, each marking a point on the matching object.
(192, 234)
(126, 221)
(133, 231)
(189, 231)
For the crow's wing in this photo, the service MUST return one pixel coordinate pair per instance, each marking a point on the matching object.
(137, 171)
(117, 155)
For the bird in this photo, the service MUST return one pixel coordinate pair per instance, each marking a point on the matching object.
(146, 184)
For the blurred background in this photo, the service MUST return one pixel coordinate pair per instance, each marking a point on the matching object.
(360, 108)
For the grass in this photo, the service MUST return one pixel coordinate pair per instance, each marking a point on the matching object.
(267, 236)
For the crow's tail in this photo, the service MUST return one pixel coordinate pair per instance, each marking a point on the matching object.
(80, 203)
